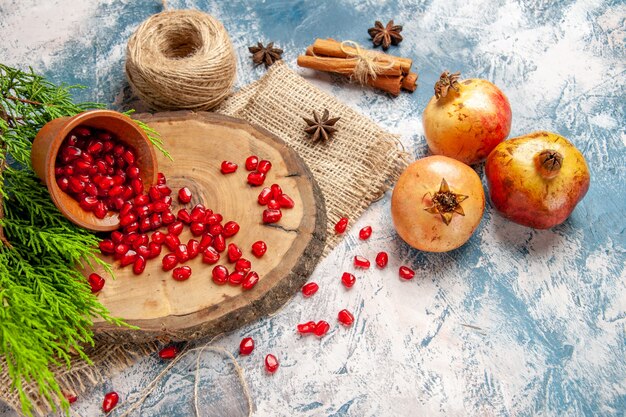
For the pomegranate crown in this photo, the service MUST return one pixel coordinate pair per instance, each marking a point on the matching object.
(446, 82)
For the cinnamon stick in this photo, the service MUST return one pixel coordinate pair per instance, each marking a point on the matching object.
(332, 48)
(409, 82)
(340, 65)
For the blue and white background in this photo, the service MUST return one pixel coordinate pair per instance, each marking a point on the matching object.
(517, 322)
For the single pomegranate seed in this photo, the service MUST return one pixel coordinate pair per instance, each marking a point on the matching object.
(255, 178)
(264, 166)
(100, 211)
(110, 401)
(133, 227)
(198, 213)
(172, 242)
(206, 241)
(164, 189)
(250, 280)
(210, 256)
(184, 195)
(96, 282)
(175, 228)
(273, 205)
(216, 229)
(310, 289)
(271, 363)
(160, 207)
(219, 243)
(141, 200)
(220, 275)
(193, 248)
(167, 218)
(236, 278)
(154, 250)
(70, 397)
(107, 247)
(381, 259)
(142, 251)
(132, 171)
(63, 183)
(243, 265)
(128, 258)
(365, 233)
(285, 201)
(228, 167)
(246, 346)
(345, 317)
(321, 328)
(197, 228)
(142, 211)
(276, 191)
(161, 178)
(213, 218)
(271, 216)
(348, 280)
(406, 273)
(234, 253)
(230, 229)
(252, 162)
(181, 273)
(154, 193)
(264, 196)
(168, 352)
(340, 226)
(361, 262)
(158, 237)
(259, 248)
(183, 216)
(139, 265)
(182, 254)
(305, 328)
(128, 219)
(169, 261)
(117, 237)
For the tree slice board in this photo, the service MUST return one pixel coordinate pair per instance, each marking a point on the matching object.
(167, 309)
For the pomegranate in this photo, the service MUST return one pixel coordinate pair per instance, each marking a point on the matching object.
(536, 180)
(466, 119)
(437, 204)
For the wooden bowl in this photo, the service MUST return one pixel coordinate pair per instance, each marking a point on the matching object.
(49, 139)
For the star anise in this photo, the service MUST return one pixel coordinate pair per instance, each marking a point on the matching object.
(445, 203)
(385, 35)
(321, 127)
(265, 54)
(446, 82)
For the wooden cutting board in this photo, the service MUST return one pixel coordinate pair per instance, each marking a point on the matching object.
(198, 142)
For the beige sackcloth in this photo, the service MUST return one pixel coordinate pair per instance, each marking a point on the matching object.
(355, 168)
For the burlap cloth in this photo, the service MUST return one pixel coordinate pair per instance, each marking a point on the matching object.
(352, 170)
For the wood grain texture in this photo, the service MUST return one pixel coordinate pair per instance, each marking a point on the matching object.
(198, 142)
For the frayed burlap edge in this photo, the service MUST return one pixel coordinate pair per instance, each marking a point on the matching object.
(354, 169)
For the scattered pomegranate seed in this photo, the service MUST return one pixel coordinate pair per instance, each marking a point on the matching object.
(243, 265)
(183, 216)
(259, 248)
(246, 346)
(361, 262)
(252, 162)
(181, 273)
(107, 247)
(228, 167)
(175, 228)
(273, 205)
(139, 265)
(264, 166)
(406, 273)
(285, 201)
(198, 213)
(264, 196)
(310, 289)
(128, 258)
(206, 241)
(197, 228)
(271, 216)
(381, 259)
(184, 195)
(271, 363)
(305, 328)
(161, 178)
(96, 282)
(181, 252)
(219, 243)
(230, 229)
(110, 401)
(365, 233)
(169, 352)
(193, 248)
(348, 280)
(169, 261)
(321, 328)
(210, 256)
(220, 275)
(172, 242)
(341, 225)
(158, 237)
(234, 253)
(70, 397)
(250, 281)
(236, 278)
(345, 317)
(256, 178)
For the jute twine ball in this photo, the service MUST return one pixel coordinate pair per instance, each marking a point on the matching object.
(181, 59)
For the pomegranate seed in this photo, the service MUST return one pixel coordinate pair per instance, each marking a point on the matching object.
(141, 200)
(361, 262)
(230, 229)
(193, 248)
(164, 189)
(264, 166)
(220, 275)
(252, 162)
(127, 219)
(132, 171)
(273, 205)
(154, 250)
(63, 183)
(117, 237)
(305, 328)
(154, 193)
(271, 216)
(259, 248)
(228, 167)
(175, 228)
(198, 213)
(348, 280)
(321, 328)
(340, 226)
(169, 261)
(216, 229)
(167, 218)
(161, 178)
(133, 227)
(250, 281)
(128, 258)
(285, 201)
(142, 211)
(381, 259)
(183, 216)
(184, 195)
(345, 317)
(271, 363)
(160, 207)
(210, 256)
(310, 289)
(246, 346)
(406, 273)
(206, 241)
(236, 278)
(234, 253)
(110, 401)
(107, 247)
(264, 196)
(71, 398)
(197, 228)
(169, 352)
(140, 265)
(256, 178)
(243, 265)
(182, 254)
(143, 251)
(96, 282)
(365, 233)
(172, 242)
(219, 243)
(213, 218)
(158, 237)
(181, 273)
(118, 150)
(276, 191)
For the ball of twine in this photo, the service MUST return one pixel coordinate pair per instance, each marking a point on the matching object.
(181, 59)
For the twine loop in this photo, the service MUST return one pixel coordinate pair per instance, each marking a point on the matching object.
(368, 63)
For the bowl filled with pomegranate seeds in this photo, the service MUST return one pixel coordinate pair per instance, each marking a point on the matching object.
(92, 164)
